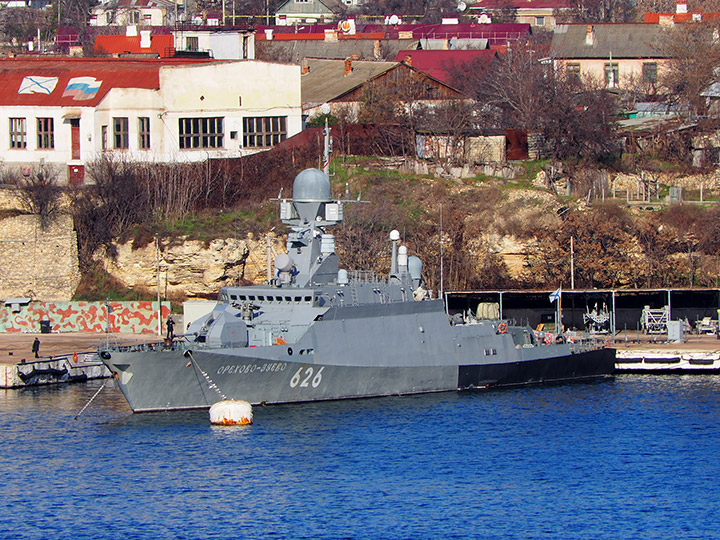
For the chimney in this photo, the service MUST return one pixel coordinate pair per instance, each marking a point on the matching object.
(681, 6)
(377, 50)
(348, 66)
(408, 60)
(590, 35)
(305, 67)
(144, 39)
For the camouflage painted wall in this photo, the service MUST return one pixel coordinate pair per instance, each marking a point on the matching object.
(128, 317)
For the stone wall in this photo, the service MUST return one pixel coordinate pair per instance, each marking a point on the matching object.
(38, 263)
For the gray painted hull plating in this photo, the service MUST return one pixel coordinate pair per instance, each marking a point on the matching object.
(352, 353)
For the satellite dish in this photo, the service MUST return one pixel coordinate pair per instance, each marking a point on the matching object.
(394, 19)
(485, 19)
(462, 6)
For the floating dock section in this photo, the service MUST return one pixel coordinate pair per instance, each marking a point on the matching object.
(59, 369)
(667, 361)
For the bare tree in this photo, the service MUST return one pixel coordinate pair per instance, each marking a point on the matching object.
(40, 194)
(522, 90)
(693, 53)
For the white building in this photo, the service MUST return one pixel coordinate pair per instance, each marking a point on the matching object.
(128, 12)
(67, 112)
(221, 44)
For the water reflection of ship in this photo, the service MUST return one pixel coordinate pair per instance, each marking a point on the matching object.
(597, 320)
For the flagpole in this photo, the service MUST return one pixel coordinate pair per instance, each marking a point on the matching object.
(559, 311)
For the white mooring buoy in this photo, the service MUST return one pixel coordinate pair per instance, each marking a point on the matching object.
(231, 413)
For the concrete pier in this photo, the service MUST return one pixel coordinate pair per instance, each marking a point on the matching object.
(650, 354)
(63, 358)
(55, 370)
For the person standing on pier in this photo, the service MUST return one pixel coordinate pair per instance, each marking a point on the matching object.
(36, 347)
(170, 324)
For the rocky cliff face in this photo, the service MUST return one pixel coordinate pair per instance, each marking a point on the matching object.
(189, 267)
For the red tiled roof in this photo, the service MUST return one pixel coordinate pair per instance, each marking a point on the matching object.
(436, 63)
(47, 81)
(654, 18)
(163, 45)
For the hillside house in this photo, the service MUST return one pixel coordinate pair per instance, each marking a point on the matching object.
(219, 43)
(536, 13)
(620, 55)
(137, 12)
(67, 112)
(681, 15)
(307, 11)
(343, 85)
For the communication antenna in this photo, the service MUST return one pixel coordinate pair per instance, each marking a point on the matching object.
(325, 109)
(441, 252)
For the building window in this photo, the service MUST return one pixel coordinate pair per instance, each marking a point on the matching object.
(103, 137)
(573, 71)
(649, 71)
(201, 132)
(612, 75)
(45, 133)
(18, 133)
(191, 43)
(144, 132)
(264, 131)
(134, 17)
(539, 21)
(120, 133)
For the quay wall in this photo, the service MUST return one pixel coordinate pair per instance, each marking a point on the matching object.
(126, 317)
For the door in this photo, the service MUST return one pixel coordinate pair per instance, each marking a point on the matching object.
(75, 137)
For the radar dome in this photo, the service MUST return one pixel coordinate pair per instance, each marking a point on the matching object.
(311, 185)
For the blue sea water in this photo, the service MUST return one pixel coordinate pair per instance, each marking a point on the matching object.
(634, 457)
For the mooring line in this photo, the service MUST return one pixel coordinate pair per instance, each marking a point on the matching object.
(91, 399)
(211, 384)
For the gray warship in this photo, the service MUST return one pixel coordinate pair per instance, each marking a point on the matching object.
(317, 332)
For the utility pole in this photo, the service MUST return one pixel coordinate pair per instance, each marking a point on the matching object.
(157, 259)
(572, 265)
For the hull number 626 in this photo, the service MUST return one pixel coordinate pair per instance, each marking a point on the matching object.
(304, 377)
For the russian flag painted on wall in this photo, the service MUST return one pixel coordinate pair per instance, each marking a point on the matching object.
(82, 88)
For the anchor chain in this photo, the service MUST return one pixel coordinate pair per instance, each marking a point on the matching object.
(211, 384)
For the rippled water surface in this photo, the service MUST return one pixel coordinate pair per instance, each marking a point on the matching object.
(637, 457)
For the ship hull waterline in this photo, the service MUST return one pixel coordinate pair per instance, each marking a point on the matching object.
(156, 381)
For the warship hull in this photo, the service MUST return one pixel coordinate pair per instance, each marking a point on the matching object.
(188, 384)
(352, 353)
